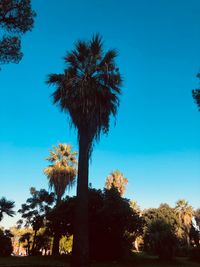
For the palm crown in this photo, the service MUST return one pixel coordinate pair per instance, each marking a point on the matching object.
(89, 87)
(118, 180)
(62, 170)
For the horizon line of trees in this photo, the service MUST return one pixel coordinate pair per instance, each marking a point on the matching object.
(117, 225)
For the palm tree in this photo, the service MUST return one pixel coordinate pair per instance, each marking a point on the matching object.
(88, 91)
(6, 207)
(185, 213)
(118, 180)
(61, 174)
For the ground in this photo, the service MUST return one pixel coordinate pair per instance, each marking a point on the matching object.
(62, 261)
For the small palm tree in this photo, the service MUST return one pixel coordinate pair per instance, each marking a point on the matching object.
(62, 171)
(6, 207)
(185, 213)
(61, 174)
(118, 180)
(88, 91)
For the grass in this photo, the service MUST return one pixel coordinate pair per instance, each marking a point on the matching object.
(49, 261)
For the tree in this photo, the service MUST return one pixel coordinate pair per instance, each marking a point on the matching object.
(61, 174)
(117, 180)
(5, 243)
(66, 244)
(6, 207)
(62, 171)
(185, 214)
(60, 221)
(34, 211)
(114, 225)
(26, 239)
(88, 91)
(161, 231)
(16, 18)
(196, 94)
(161, 239)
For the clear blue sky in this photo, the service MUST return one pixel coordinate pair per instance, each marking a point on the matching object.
(156, 141)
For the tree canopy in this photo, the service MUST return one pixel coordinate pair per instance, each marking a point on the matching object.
(16, 18)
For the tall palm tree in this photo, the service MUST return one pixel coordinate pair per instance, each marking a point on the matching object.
(88, 91)
(118, 180)
(61, 174)
(185, 213)
(6, 207)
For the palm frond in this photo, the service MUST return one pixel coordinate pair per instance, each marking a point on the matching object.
(6, 207)
(62, 171)
(89, 88)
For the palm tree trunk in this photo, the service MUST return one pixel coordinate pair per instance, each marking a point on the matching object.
(80, 252)
(56, 236)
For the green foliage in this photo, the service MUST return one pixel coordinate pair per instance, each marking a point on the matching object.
(5, 243)
(164, 212)
(66, 244)
(161, 239)
(16, 18)
(161, 231)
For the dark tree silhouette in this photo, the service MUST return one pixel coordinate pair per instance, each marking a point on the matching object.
(6, 207)
(88, 91)
(161, 231)
(16, 18)
(5, 243)
(113, 225)
(34, 211)
(26, 238)
(196, 94)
